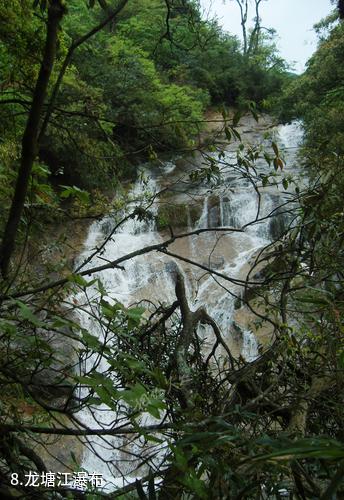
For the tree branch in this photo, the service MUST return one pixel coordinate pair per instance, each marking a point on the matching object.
(116, 263)
(114, 13)
(30, 137)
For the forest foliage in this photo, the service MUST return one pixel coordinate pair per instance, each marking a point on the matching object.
(139, 84)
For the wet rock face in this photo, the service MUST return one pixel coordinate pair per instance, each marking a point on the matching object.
(47, 389)
(53, 385)
(278, 225)
(215, 262)
(171, 267)
(107, 226)
(214, 216)
(182, 164)
(177, 215)
(50, 379)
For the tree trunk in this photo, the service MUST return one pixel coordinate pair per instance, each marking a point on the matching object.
(243, 6)
(29, 141)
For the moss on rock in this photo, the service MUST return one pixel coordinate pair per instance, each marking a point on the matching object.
(178, 216)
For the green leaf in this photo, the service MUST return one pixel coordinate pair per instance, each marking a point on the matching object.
(265, 181)
(153, 411)
(236, 118)
(267, 159)
(41, 170)
(134, 315)
(71, 191)
(72, 454)
(134, 395)
(152, 154)
(285, 183)
(236, 133)
(303, 448)
(153, 439)
(306, 452)
(228, 134)
(101, 287)
(252, 107)
(105, 396)
(28, 315)
(92, 341)
(110, 311)
(195, 485)
(160, 378)
(180, 457)
(317, 297)
(275, 148)
(78, 280)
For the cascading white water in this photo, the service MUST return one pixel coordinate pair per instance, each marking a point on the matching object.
(148, 277)
(142, 279)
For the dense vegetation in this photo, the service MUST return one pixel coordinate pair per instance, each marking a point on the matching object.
(317, 96)
(87, 91)
(141, 83)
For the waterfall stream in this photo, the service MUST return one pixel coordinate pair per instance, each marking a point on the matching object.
(233, 203)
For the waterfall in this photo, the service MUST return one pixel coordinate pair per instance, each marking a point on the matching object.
(250, 346)
(203, 220)
(149, 277)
